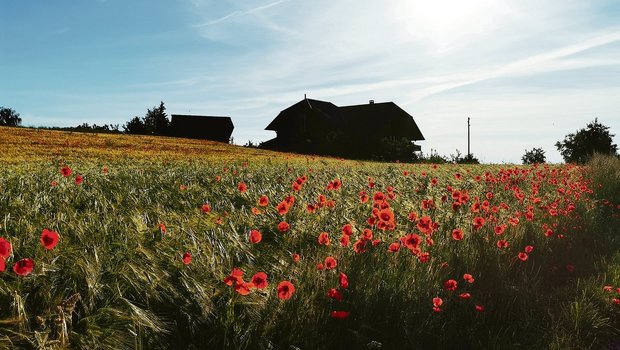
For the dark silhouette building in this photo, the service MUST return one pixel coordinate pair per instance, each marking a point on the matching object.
(202, 127)
(373, 130)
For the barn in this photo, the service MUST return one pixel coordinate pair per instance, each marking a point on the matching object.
(359, 131)
(202, 127)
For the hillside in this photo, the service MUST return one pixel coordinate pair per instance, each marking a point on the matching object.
(25, 144)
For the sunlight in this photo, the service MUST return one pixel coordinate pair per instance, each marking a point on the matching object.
(443, 23)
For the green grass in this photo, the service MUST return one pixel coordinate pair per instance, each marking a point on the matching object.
(116, 281)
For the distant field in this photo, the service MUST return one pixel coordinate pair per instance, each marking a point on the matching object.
(24, 144)
(121, 242)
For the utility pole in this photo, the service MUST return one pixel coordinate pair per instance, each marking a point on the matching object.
(468, 150)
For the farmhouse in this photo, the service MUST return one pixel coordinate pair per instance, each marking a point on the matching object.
(362, 131)
(202, 127)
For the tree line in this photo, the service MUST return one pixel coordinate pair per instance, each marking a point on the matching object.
(154, 122)
(576, 147)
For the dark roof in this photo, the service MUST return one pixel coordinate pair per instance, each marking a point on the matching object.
(358, 119)
(202, 127)
(386, 116)
(326, 109)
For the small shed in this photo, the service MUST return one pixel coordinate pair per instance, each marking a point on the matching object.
(202, 127)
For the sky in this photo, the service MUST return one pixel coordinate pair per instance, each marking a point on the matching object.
(527, 72)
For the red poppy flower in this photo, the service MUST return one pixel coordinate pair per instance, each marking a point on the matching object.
(528, 249)
(425, 225)
(206, 208)
(343, 280)
(65, 171)
(242, 187)
(5, 248)
(162, 228)
(296, 186)
(479, 308)
(296, 257)
(478, 222)
(23, 267)
(54, 183)
(323, 238)
(2, 264)
(347, 229)
(79, 179)
(263, 201)
(345, 241)
(335, 294)
(260, 280)
(340, 315)
(437, 309)
(450, 285)
(522, 256)
(437, 301)
(49, 239)
(285, 290)
(468, 278)
(234, 277)
(255, 236)
(394, 247)
(413, 216)
(411, 241)
(608, 288)
(187, 258)
(283, 226)
(359, 246)
(499, 229)
(255, 211)
(502, 243)
(464, 295)
(457, 234)
(570, 268)
(367, 234)
(549, 233)
(244, 288)
(424, 257)
(320, 266)
(330, 263)
(282, 208)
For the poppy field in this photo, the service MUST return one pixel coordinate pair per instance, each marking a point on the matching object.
(244, 249)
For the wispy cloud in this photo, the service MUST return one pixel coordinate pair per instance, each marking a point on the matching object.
(236, 14)
(548, 61)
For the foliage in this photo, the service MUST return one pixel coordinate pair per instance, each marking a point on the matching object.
(534, 156)
(117, 278)
(8, 117)
(459, 159)
(85, 127)
(578, 147)
(395, 149)
(154, 122)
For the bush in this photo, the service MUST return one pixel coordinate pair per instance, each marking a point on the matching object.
(535, 156)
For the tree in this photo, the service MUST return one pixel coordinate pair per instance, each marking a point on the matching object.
(580, 146)
(156, 121)
(135, 126)
(8, 117)
(535, 156)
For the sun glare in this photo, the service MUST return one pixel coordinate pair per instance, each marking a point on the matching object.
(444, 22)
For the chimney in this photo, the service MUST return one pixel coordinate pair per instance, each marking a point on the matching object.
(372, 102)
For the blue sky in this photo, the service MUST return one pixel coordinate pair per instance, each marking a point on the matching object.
(526, 72)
